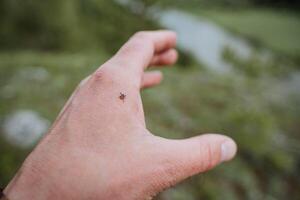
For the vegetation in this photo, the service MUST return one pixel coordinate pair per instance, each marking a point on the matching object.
(278, 30)
(69, 25)
(258, 103)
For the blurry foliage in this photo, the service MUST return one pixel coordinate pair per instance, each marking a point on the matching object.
(240, 106)
(277, 30)
(189, 102)
(274, 24)
(251, 104)
(257, 65)
(10, 160)
(68, 25)
(291, 4)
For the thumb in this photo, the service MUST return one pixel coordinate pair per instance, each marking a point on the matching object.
(183, 158)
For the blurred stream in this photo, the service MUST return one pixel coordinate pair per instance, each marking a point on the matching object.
(204, 39)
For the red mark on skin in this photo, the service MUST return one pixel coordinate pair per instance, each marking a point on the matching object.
(122, 96)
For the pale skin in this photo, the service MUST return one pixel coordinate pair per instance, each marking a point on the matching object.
(99, 146)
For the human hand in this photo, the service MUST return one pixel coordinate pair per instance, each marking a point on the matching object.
(99, 146)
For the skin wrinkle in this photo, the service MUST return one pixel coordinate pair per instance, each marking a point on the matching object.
(209, 162)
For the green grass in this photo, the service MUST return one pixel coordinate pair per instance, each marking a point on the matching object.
(189, 102)
(276, 29)
(65, 71)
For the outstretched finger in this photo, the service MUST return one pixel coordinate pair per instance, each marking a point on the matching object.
(138, 52)
(165, 58)
(151, 78)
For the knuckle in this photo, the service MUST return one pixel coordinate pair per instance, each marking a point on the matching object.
(104, 75)
(211, 157)
(98, 75)
(109, 76)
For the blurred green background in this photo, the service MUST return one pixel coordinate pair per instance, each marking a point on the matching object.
(238, 74)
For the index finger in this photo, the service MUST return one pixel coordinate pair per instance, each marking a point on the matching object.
(138, 52)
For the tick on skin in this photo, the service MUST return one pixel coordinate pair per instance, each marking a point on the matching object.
(122, 96)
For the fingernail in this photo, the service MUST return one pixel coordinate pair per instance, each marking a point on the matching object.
(228, 149)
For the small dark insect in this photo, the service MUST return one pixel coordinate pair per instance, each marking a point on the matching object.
(122, 96)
